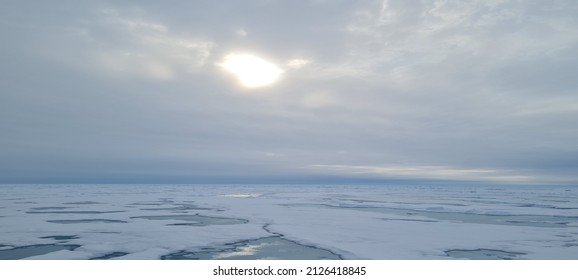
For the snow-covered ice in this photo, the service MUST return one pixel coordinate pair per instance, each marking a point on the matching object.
(287, 222)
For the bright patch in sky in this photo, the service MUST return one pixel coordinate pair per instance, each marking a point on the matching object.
(297, 63)
(251, 71)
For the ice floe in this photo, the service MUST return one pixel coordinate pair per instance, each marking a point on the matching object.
(287, 222)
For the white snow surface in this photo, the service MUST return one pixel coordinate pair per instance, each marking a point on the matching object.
(355, 222)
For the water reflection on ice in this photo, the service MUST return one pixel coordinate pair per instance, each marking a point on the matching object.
(33, 250)
(268, 248)
(85, 221)
(484, 254)
(110, 256)
(196, 220)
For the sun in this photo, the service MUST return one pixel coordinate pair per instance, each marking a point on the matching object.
(251, 71)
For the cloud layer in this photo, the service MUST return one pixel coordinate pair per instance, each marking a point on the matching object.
(442, 90)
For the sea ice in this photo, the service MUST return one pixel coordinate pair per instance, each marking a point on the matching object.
(287, 221)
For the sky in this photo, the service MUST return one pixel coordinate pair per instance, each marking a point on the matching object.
(311, 91)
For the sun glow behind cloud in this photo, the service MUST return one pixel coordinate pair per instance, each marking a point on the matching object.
(251, 71)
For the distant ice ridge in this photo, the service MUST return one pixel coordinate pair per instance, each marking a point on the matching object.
(258, 221)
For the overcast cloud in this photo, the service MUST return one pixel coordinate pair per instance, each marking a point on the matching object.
(133, 91)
